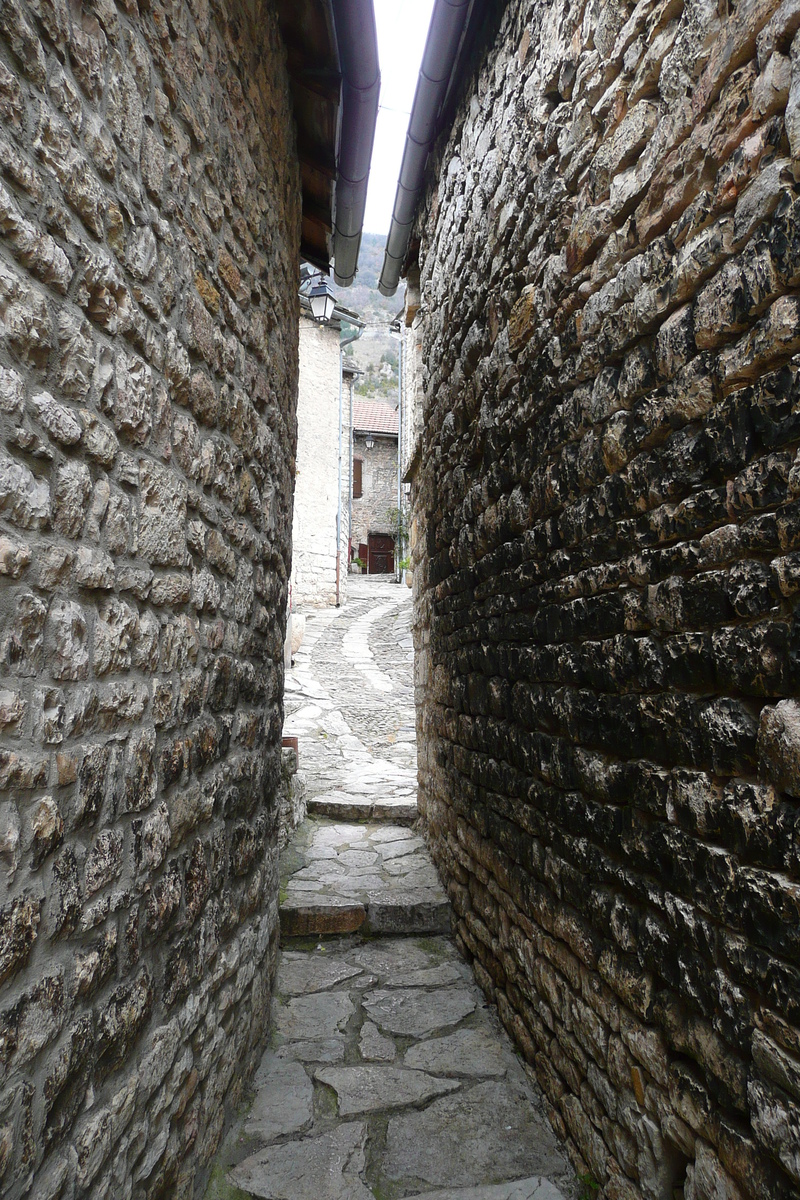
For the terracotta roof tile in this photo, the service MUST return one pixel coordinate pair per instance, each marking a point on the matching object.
(374, 416)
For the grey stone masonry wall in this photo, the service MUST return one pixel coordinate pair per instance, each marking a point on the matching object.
(149, 233)
(607, 570)
(371, 511)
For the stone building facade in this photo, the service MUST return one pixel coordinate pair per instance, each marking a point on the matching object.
(150, 232)
(321, 470)
(607, 523)
(374, 434)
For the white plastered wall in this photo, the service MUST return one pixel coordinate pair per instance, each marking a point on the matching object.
(317, 479)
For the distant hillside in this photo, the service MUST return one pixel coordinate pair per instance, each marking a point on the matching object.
(363, 296)
(376, 350)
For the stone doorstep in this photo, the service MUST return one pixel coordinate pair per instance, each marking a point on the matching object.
(401, 813)
(394, 913)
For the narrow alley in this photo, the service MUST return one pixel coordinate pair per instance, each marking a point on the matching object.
(387, 1074)
(518, 916)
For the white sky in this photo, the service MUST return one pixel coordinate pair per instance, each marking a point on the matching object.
(402, 30)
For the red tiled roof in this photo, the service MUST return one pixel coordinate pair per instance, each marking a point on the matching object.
(374, 416)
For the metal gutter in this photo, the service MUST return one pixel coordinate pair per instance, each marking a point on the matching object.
(448, 24)
(361, 83)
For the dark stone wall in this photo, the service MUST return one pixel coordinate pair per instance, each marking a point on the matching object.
(149, 236)
(607, 542)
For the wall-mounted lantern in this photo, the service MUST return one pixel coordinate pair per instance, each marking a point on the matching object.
(322, 300)
(370, 442)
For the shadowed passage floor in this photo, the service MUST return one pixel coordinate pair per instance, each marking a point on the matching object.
(387, 1076)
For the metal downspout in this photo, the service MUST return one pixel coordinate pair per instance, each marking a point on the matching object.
(361, 83)
(448, 22)
(344, 342)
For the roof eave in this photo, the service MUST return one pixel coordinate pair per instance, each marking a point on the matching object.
(332, 55)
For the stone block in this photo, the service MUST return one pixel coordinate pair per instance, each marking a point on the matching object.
(413, 913)
(23, 498)
(66, 640)
(140, 776)
(130, 407)
(71, 493)
(18, 931)
(104, 860)
(162, 515)
(77, 356)
(779, 745)
(47, 829)
(299, 920)
(121, 1019)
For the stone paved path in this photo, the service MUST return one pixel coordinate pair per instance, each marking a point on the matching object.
(350, 701)
(337, 878)
(387, 1076)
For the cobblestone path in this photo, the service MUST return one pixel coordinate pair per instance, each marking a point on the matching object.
(388, 1076)
(350, 701)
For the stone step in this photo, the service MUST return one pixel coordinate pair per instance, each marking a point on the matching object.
(355, 808)
(390, 913)
(322, 917)
(408, 912)
(343, 876)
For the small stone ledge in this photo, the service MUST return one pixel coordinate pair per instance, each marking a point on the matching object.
(398, 812)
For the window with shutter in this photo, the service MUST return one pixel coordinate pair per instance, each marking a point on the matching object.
(357, 488)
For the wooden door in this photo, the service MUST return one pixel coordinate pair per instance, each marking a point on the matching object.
(381, 554)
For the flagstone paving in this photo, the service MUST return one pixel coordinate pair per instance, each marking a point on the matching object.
(387, 1076)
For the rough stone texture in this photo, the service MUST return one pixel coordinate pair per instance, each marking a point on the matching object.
(292, 803)
(535, 1188)
(320, 1015)
(373, 1046)
(467, 1052)
(297, 971)
(400, 1010)
(149, 233)
(606, 548)
(328, 1169)
(455, 1140)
